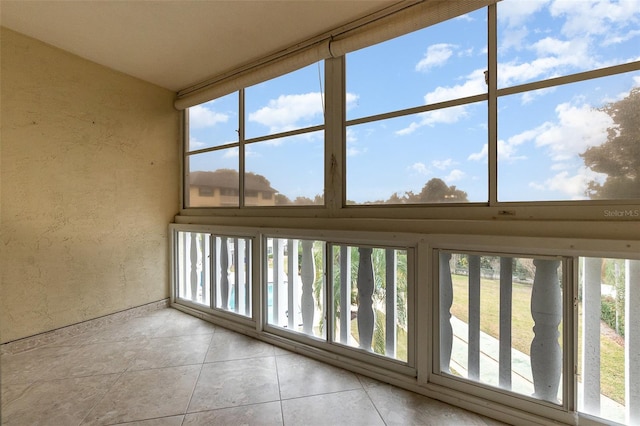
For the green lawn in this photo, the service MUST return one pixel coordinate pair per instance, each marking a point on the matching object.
(612, 353)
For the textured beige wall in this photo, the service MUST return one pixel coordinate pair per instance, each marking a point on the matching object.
(89, 183)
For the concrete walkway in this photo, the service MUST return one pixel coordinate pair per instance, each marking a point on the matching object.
(521, 378)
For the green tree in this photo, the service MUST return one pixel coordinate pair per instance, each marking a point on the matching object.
(437, 191)
(282, 199)
(619, 156)
(434, 191)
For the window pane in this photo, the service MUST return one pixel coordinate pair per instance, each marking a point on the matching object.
(295, 285)
(501, 322)
(214, 179)
(439, 63)
(193, 267)
(233, 274)
(432, 157)
(571, 142)
(370, 299)
(293, 101)
(608, 334)
(286, 171)
(538, 40)
(213, 123)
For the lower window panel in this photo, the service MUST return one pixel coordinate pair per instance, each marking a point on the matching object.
(501, 321)
(370, 299)
(214, 271)
(296, 285)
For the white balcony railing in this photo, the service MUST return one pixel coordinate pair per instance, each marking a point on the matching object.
(492, 359)
(501, 317)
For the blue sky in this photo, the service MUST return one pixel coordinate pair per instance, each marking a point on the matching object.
(540, 133)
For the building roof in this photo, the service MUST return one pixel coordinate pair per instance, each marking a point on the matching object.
(228, 178)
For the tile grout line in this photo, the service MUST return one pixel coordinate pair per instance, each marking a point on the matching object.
(133, 358)
(195, 384)
(99, 400)
(364, 388)
(275, 359)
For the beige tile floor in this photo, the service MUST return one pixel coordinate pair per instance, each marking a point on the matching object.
(169, 368)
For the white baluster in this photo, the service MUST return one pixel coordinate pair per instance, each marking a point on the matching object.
(203, 269)
(591, 289)
(307, 275)
(366, 316)
(213, 264)
(183, 270)
(632, 341)
(237, 275)
(506, 289)
(391, 307)
(446, 300)
(193, 258)
(345, 294)
(224, 273)
(546, 310)
(279, 289)
(292, 278)
(273, 242)
(473, 346)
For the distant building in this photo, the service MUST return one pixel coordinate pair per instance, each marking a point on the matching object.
(220, 188)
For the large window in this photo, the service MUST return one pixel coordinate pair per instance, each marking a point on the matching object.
(262, 146)
(517, 105)
(565, 130)
(409, 120)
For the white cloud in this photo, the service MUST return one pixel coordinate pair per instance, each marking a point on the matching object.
(513, 38)
(578, 128)
(620, 38)
(202, 116)
(286, 111)
(231, 153)
(482, 155)
(409, 129)
(506, 150)
(195, 144)
(529, 97)
(439, 116)
(436, 56)
(472, 86)
(573, 186)
(455, 175)
(515, 13)
(598, 17)
(587, 26)
(352, 100)
(554, 57)
(465, 17)
(352, 144)
(466, 52)
(420, 168)
(443, 164)
(351, 135)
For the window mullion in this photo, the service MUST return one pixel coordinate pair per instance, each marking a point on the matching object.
(335, 140)
(241, 148)
(492, 81)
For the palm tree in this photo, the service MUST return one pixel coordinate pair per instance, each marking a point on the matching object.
(378, 257)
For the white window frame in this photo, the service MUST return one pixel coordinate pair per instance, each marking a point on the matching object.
(335, 159)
